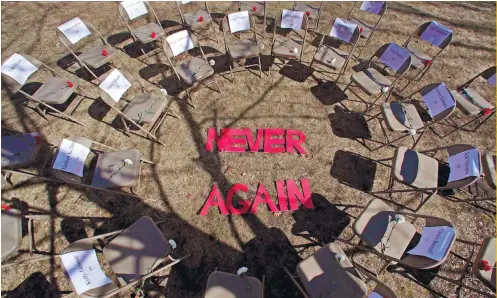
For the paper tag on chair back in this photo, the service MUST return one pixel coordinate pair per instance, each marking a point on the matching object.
(84, 270)
(464, 164)
(438, 100)
(180, 42)
(239, 21)
(394, 56)
(74, 30)
(134, 9)
(434, 242)
(115, 85)
(372, 6)
(71, 157)
(435, 33)
(18, 68)
(291, 19)
(343, 30)
(491, 80)
(375, 295)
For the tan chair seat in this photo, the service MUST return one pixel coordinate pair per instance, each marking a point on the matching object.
(369, 85)
(11, 233)
(112, 172)
(249, 5)
(486, 252)
(227, 285)
(366, 28)
(313, 11)
(20, 150)
(376, 226)
(194, 70)
(488, 163)
(399, 120)
(192, 18)
(417, 57)
(243, 49)
(326, 54)
(93, 57)
(143, 33)
(145, 108)
(323, 276)
(468, 107)
(283, 47)
(415, 169)
(55, 90)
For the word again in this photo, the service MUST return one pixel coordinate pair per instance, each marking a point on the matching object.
(276, 140)
(288, 198)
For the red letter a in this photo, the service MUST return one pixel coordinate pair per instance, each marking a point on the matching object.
(261, 191)
(211, 203)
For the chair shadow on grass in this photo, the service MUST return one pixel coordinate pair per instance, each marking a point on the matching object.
(353, 170)
(328, 93)
(36, 284)
(296, 71)
(349, 124)
(68, 62)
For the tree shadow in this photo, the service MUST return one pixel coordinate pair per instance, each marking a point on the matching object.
(349, 124)
(353, 170)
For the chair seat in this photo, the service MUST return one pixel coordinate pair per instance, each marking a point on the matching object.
(243, 49)
(466, 105)
(368, 85)
(313, 11)
(192, 18)
(366, 28)
(415, 169)
(398, 119)
(418, 58)
(112, 172)
(137, 250)
(194, 70)
(143, 33)
(145, 108)
(20, 150)
(11, 233)
(376, 226)
(249, 5)
(93, 57)
(488, 163)
(227, 285)
(55, 90)
(283, 47)
(323, 276)
(326, 54)
(486, 252)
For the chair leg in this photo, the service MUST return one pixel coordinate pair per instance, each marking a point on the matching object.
(347, 87)
(214, 30)
(218, 88)
(423, 202)
(230, 64)
(190, 98)
(260, 67)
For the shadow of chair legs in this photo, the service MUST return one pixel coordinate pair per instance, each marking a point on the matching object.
(353, 170)
(35, 286)
(349, 124)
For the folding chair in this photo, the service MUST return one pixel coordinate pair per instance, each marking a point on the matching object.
(143, 108)
(437, 36)
(421, 172)
(257, 9)
(19, 151)
(224, 285)
(198, 19)
(488, 163)
(241, 49)
(374, 8)
(133, 14)
(56, 90)
(190, 71)
(405, 118)
(313, 13)
(329, 273)
(487, 253)
(329, 54)
(481, 193)
(376, 82)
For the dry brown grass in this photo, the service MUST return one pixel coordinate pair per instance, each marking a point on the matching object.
(177, 186)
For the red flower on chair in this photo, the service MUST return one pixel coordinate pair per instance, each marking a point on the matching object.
(201, 19)
(104, 53)
(152, 34)
(6, 207)
(360, 29)
(486, 111)
(70, 84)
(427, 62)
(486, 266)
(254, 8)
(307, 13)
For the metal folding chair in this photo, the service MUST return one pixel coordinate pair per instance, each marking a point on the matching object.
(312, 12)
(198, 19)
(256, 9)
(222, 284)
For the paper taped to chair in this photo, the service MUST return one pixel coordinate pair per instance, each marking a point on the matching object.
(375, 295)
(394, 56)
(491, 80)
(239, 21)
(115, 85)
(291, 19)
(438, 100)
(435, 33)
(134, 9)
(464, 164)
(343, 30)
(71, 157)
(18, 68)
(74, 30)
(180, 42)
(372, 6)
(84, 270)
(434, 242)
(186, 2)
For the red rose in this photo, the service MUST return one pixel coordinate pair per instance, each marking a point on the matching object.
(104, 53)
(254, 8)
(307, 13)
(69, 84)
(201, 19)
(486, 111)
(37, 139)
(487, 268)
(427, 62)
(6, 207)
(152, 34)
(360, 29)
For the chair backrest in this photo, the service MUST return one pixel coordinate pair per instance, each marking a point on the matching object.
(189, 6)
(337, 24)
(106, 97)
(77, 39)
(244, 5)
(373, 7)
(22, 65)
(136, 9)
(391, 54)
(182, 44)
(293, 12)
(444, 98)
(227, 28)
(434, 33)
(458, 148)
(486, 74)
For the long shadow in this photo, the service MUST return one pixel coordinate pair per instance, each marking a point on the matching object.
(349, 124)
(353, 170)
(36, 286)
(328, 93)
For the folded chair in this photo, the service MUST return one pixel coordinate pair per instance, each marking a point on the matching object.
(241, 49)
(420, 60)
(193, 70)
(329, 273)
(405, 118)
(143, 24)
(328, 52)
(377, 8)
(141, 109)
(312, 12)
(256, 9)
(374, 81)
(56, 90)
(227, 285)
(198, 19)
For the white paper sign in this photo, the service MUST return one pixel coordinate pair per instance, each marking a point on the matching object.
(18, 68)
(134, 9)
(343, 30)
(375, 295)
(394, 56)
(464, 164)
(491, 80)
(186, 2)
(435, 33)
(74, 30)
(292, 19)
(434, 242)
(239, 21)
(372, 6)
(438, 100)
(84, 270)
(115, 85)
(71, 157)
(179, 42)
